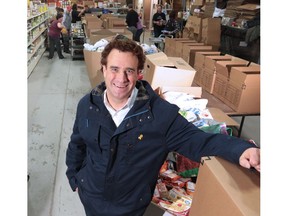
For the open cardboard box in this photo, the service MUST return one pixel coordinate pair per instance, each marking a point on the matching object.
(225, 189)
(195, 91)
(223, 69)
(108, 34)
(160, 70)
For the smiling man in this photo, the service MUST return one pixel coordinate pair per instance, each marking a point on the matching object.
(122, 135)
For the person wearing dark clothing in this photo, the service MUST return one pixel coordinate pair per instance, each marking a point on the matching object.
(121, 138)
(172, 26)
(131, 20)
(159, 21)
(75, 14)
(54, 36)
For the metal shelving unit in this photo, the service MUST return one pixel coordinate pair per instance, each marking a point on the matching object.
(37, 26)
(78, 39)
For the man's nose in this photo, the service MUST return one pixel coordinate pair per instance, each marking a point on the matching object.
(122, 75)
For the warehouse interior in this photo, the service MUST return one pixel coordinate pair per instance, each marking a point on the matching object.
(54, 88)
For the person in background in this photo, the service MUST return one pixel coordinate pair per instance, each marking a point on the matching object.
(132, 20)
(220, 8)
(67, 24)
(59, 10)
(75, 14)
(139, 28)
(121, 138)
(85, 10)
(172, 26)
(159, 21)
(54, 36)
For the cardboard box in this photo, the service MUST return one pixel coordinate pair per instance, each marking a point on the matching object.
(225, 189)
(93, 25)
(115, 22)
(161, 70)
(208, 74)
(93, 65)
(224, 67)
(196, 46)
(207, 80)
(243, 89)
(198, 75)
(210, 61)
(200, 57)
(195, 23)
(193, 50)
(108, 34)
(106, 16)
(222, 77)
(211, 31)
(89, 3)
(219, 116)
(170, 44)
(90, 18)
(195, 91)
(199, 64)
(179, 46)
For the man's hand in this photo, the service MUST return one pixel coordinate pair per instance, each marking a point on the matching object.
(250, 158)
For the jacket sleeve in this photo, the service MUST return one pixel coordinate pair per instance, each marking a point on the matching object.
(193, 143)
(75, 154)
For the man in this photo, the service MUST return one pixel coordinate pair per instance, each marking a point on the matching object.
(122, 135)
(131, 20)
(67, 19)
(159, 21)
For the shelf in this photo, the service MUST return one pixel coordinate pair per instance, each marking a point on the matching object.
(38, 35)
(37, 24)
(34, 62)
(35, 50)
(31, 17)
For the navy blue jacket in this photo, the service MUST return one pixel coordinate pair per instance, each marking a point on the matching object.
(116, 168)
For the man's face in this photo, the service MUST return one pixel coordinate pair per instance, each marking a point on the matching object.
(159, 9)
(120, 75)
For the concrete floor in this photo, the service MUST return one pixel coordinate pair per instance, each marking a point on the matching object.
(54, 89)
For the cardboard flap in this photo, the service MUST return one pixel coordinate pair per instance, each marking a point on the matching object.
(195, 91)
(180, 63)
